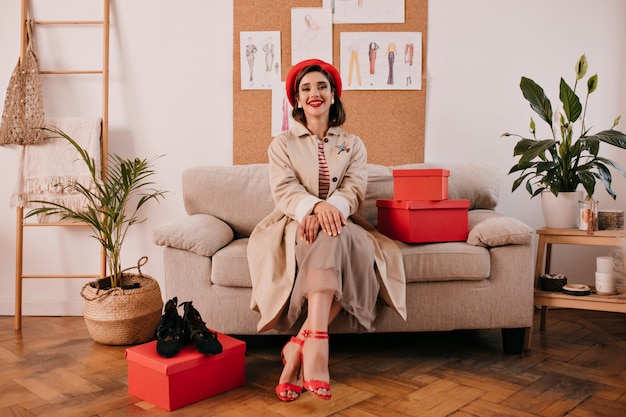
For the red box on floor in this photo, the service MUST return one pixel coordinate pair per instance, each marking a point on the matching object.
(420, 184)
(190, 376)
(423, 221)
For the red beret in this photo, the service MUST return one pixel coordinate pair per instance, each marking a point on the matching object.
(297, 69)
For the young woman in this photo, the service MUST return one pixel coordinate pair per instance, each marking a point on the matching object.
(310, 255)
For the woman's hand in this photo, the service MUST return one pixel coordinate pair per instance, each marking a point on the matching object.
(330, 219)
(325, 217)
(309, 228)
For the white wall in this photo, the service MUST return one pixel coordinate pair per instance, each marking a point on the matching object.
(171, 95)
(171, 78)
(477, 52)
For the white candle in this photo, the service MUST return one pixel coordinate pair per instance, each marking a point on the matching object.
(604, 264)
(605, 282)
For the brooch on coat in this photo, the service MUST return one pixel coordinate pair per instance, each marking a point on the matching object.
(342, 147)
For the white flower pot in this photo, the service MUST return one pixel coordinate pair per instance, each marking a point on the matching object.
(561, 212)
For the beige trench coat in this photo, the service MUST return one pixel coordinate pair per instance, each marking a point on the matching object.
(294, 183)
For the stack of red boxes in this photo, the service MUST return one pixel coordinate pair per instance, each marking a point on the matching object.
(420, 211)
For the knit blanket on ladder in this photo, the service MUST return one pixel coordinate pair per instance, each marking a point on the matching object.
(45, 169)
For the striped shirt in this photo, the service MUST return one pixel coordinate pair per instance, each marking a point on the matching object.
(324, 175)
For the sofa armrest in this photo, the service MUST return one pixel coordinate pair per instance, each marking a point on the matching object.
(201, 234)
(488, 228)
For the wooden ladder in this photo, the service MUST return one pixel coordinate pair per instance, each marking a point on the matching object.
(20, 221)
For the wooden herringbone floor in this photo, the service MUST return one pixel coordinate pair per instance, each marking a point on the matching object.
(577, 367)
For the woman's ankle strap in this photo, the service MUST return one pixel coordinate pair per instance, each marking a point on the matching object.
(315, 334)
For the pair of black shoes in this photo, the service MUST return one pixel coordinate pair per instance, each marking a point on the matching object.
(173, 332)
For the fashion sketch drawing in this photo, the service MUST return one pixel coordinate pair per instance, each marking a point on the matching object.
(260, 59)
(311, 34)
(366, 11)
(381, 60)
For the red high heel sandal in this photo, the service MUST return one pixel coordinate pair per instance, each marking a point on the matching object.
(284, 387)
(313, 385)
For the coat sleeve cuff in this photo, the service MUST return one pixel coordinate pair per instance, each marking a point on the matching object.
(342, 204)
(305, 207)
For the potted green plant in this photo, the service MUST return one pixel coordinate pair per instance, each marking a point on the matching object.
(133, 301)
(569, 157)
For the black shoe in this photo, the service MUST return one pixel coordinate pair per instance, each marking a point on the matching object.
(169, 330)
(195, 331)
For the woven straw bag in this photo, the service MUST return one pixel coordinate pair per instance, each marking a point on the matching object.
(117, 316)
(23, 114)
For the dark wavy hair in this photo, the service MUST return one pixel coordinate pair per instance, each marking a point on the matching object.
(337, 115)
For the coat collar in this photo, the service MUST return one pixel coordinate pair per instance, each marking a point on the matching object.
(299, 130)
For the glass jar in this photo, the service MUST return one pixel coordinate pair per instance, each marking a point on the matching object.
(588, 215)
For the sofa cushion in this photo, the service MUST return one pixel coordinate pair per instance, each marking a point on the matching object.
(450, 261)
(488, 228)
(379, 187)
(230, 265)
(201, 234)
(447, 261)
(239, 195)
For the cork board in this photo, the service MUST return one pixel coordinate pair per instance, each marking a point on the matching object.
(392, 129)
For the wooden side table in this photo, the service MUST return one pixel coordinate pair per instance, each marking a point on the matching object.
(545, 299)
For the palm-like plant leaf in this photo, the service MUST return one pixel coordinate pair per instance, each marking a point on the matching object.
(108, 211)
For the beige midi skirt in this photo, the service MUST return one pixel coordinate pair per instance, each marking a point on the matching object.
(343, 264)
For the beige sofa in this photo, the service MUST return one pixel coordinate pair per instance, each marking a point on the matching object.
(483, 283)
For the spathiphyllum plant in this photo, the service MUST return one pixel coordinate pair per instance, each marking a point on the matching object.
(563, 161)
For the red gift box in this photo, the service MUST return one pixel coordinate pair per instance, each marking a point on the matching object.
(190, 376)
(423, 221)
(420, 184)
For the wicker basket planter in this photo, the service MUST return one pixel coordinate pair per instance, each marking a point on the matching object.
(119, 316)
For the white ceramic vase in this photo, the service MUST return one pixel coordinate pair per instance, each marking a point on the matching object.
(561, 212)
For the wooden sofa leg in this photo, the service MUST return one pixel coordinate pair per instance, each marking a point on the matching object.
(514, 341)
